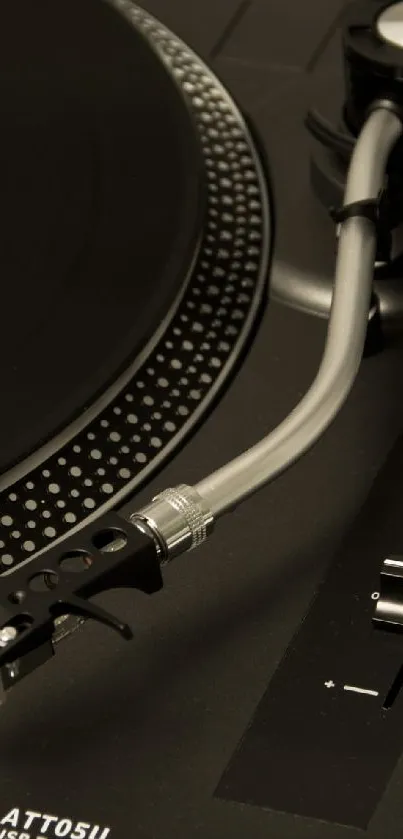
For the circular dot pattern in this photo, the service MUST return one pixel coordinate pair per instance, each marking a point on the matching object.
(205, 336)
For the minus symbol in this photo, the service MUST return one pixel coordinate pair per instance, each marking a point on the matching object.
(354, 689)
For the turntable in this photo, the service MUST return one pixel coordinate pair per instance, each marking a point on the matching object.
(201, 218)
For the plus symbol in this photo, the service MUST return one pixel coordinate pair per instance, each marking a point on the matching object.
(330, 684)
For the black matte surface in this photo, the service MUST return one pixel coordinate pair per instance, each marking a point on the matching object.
(137, 735)
(317, 747)
(303, 28)
(99, 215)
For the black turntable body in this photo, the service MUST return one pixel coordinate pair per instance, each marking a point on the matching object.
(168, 261)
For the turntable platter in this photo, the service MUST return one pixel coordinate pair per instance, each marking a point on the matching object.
(101, 199)
(137, 243)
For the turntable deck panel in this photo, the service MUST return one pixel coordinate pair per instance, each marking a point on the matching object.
(137, 736)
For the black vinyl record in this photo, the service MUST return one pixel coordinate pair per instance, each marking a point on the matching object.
(137, 233)
(102, 196)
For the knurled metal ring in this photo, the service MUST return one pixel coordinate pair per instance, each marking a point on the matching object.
(186, 501)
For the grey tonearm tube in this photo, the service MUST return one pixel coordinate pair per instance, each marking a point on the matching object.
(181, 518)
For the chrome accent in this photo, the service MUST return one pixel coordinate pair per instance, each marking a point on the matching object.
(145, 528)
(64, 626)
(13, 669)
(390, 25)
(7, 634)
(179, 519)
